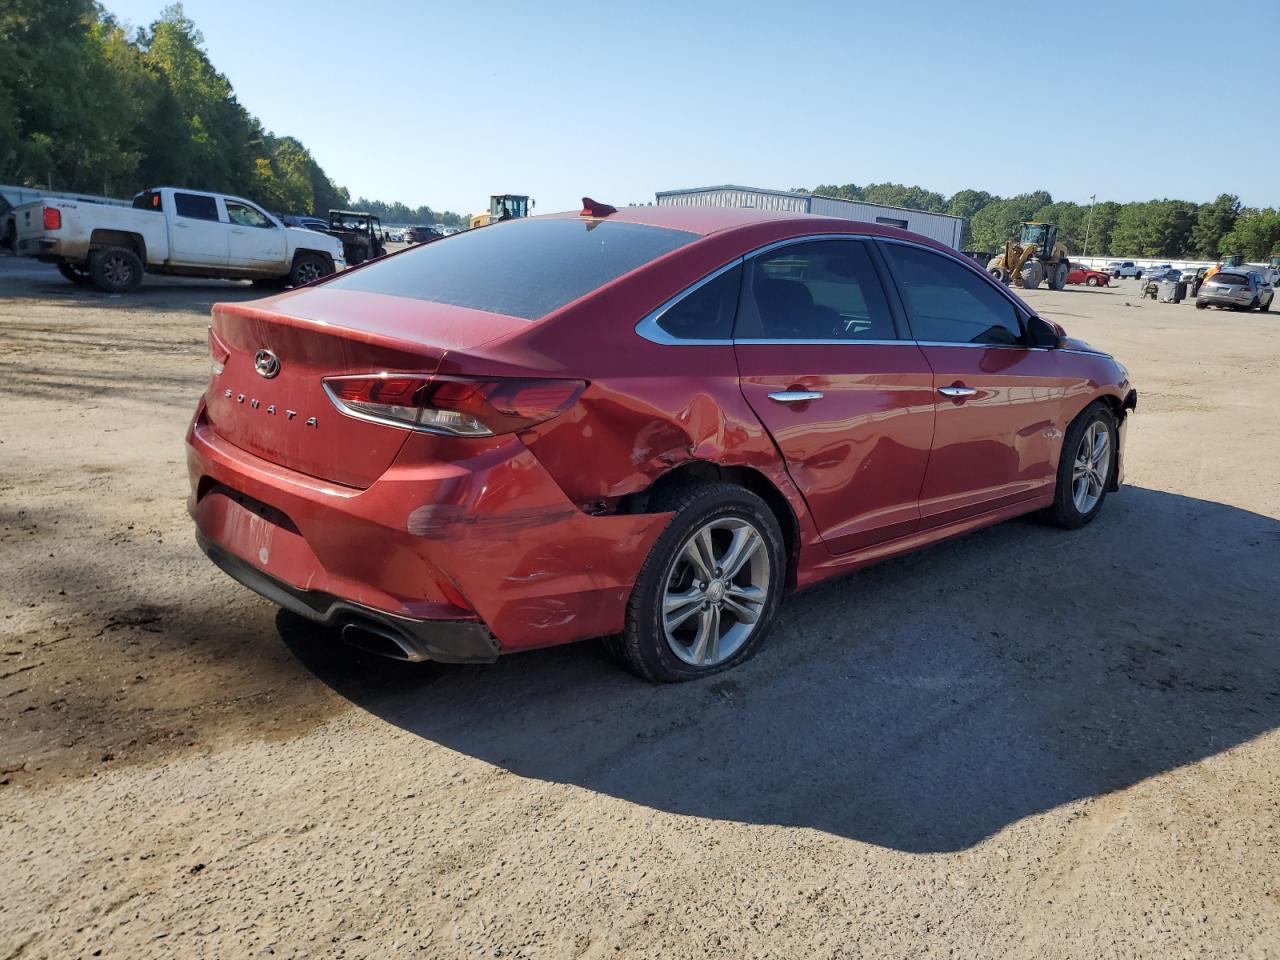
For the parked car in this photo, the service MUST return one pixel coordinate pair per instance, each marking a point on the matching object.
(1079, 273)
(1124, 268)
(174, 231)
(421, 234)
(1156, 274)
(396, 236)
(650, 425)
(1239, 290)
(306, 223)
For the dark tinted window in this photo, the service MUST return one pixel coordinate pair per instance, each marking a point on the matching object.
(195, 206)
(521, 268)
(821, 290)
(706, 313)
(147, 201)
(1231, 278)
(949, 303)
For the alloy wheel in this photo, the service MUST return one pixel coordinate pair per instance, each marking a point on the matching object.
(1092, 467)
(117, 271)
(716, 591)
(307, 272)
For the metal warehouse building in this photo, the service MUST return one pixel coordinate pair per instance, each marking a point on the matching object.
(937, 226)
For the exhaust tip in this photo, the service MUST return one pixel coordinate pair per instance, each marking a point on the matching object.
(380, 640)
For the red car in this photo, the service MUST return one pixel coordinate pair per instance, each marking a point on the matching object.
(1087, 275)
(649, 425)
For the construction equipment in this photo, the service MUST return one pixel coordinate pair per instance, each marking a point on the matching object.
(1034, 257)
(360, 233)
(503, 206)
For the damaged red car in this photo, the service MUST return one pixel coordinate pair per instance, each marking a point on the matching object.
(649, 425)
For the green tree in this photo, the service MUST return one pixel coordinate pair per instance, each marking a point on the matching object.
(1213, 222)
(1255, 235)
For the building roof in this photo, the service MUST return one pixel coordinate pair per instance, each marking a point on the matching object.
(795, 194)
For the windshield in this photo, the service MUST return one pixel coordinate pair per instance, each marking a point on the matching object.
(508, 208)
(524, 268)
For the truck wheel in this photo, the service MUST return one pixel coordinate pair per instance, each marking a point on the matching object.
(75, 273)
(115, 270)
(308, 267)
(999, 273)
(1058, 279)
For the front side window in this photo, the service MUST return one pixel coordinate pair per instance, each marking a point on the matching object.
(245, 216)
(817, 290)
(949, 303)
(707, 312)
(521, 268)
(195, 206)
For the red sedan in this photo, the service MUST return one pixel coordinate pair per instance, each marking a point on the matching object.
(650, 425)
(1089, 276)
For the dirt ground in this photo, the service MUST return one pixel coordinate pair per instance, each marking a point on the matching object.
(1023, 743)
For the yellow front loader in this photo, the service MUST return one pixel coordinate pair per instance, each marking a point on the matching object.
(502, 206)
(1034, 257)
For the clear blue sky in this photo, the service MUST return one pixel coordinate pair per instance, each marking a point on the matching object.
(615, 101)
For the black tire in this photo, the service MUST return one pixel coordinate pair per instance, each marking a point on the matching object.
(1267, 308)
(1201, 305)
(115, 270)
(269, 283)
(1253, 305)
(1092, 281)
(75, 273)
(642, 647)
(1064, 512)
(308, 267)
(1057, 280)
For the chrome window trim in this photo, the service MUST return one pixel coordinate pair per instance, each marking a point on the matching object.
(648, 327)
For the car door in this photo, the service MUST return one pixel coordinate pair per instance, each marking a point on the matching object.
(846, 397)
(198, 235)
(254, 238)
(997, 395)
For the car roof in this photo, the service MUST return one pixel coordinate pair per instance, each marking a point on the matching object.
(708, 220)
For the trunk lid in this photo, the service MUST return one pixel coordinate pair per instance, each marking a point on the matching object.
(281, 412)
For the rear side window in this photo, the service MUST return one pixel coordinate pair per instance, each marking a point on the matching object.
(195, 207)
(948, 303)
(707, 312)
(149, 200)
(520, 268)
(820, 290)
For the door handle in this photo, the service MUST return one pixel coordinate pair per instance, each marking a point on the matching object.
(795, 396)
(955, 392)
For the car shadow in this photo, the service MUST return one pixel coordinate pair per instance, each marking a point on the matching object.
(921, 705)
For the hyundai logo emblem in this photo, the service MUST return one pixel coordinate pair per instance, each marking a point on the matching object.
(266, 363)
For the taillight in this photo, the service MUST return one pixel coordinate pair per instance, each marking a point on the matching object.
(218, 353)
(52, 218)
(453, 405)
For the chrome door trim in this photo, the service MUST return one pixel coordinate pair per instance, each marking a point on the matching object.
(795, 396)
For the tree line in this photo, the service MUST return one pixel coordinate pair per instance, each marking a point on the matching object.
(1175, 229)
(87, 107)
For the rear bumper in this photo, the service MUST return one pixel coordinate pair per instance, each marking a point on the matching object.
(446, 641)
(488, 545)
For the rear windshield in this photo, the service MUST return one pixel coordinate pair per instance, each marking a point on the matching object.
(521, 268)
(1231, 278)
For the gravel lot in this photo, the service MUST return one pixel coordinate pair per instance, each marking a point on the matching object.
(1023, 743)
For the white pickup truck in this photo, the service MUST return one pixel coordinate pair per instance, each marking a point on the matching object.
(186, 233)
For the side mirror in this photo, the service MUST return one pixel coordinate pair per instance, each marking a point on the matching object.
(1044, 334)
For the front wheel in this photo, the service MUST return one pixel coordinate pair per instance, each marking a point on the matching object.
(75, 273)
(1092, 281)
(1086, 467)
(308, 267)
(709, 588)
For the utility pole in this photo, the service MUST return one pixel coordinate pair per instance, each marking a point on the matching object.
(1092, 199)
